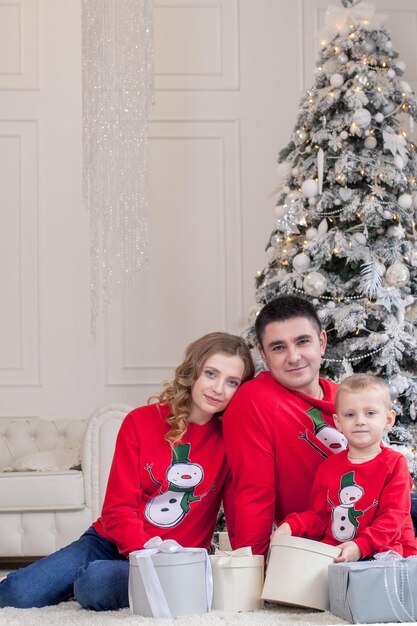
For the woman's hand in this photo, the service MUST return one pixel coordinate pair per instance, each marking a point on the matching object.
(284, 529)
(350, 552)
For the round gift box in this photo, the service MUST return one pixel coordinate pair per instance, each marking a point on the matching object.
(237, 582)
(296, 573)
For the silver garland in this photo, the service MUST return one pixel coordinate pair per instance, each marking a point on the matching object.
(117, 61)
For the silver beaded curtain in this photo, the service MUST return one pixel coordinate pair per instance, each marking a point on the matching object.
(117, 66)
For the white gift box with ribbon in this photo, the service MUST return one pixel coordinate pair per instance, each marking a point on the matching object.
(167, 580)
(238, 578)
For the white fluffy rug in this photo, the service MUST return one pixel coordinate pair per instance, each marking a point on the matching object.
(70, 614)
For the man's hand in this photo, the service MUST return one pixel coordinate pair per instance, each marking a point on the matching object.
(284, 529)
(350, 552)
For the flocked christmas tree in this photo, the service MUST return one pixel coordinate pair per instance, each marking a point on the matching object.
(345, 232)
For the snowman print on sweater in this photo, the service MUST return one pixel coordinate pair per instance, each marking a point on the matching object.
(172, 505)
(328, 436)
(344, 516)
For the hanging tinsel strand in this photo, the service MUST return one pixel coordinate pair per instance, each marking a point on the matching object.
(117, 57)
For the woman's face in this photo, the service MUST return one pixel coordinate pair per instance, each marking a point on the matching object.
(218, 381)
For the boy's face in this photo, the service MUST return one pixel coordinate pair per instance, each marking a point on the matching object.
(292, 351)
(363, 417)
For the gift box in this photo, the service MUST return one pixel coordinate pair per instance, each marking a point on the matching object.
(384, 590)
(296, 573)
(238, 578)
(167, 580)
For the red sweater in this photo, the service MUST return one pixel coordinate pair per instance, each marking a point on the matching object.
(368, 503)
(275, 441)
(149, 492)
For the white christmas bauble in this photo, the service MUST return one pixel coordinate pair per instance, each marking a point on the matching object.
(300, 136)
(359, 238)
(280, 211)
(362, 118)
(271, 253)
(401, 66)
(315, 302)
(387, 214)
(391, 73)
(331, 304)
(336, 80)
(315, 284)
(398, 162)
(344, 134)
(404, 86)
(409, 300)
(308, 149)
(405, 201)
(370, 46)
(311, 233)
(342, 58)
(379, 117)
(310, 188)
(284, 169)
(394, 392)
(397, 275)
(312, 201)
(370, 142)
(293, 195)
(301, 262)
(388, 45)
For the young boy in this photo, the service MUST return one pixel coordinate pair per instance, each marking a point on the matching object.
(361, 496)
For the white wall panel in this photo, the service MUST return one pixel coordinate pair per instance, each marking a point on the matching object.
(194, 284)
(196, 44)
(19, 356)
(18, 44)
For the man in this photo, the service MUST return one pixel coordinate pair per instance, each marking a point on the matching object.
(279, 427)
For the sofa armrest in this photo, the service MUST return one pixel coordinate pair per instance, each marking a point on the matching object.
(98, 450)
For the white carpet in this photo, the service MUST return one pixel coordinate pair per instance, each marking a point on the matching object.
(70, 614)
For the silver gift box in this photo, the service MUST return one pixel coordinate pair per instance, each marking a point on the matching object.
(370, 592)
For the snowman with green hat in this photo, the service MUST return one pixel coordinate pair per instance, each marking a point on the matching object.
(171, 506)
(344, 516)
(329, 436)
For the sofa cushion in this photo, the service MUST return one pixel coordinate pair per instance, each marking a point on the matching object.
(37, 491)
(47, 461)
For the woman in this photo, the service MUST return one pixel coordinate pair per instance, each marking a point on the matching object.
(168, 478)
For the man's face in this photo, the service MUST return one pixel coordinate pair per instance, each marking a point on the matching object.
(292, 351)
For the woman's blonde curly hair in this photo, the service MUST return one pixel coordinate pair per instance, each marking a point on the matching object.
(177, 393)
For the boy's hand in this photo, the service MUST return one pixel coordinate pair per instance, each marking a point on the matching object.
(350, 552)
(284, 529)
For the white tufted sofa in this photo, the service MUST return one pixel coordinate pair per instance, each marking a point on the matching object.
(42, 511)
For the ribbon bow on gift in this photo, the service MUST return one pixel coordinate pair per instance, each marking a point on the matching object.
(227, 555)
(337, 17)
(153, 589)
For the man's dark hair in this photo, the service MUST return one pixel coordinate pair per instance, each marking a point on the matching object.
(282, 309)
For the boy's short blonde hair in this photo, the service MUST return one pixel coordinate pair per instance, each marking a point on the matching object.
(361, 382)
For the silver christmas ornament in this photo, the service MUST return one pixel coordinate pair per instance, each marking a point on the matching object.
(370, 46)
(397, 275)
(315, 284)
(342, 59)
(393, 391)
(280, 211)
(311, 233)
(300, 136)
(379, 117)
(301, 262)
(391, 73)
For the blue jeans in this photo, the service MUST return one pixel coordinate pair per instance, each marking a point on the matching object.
(91, 570)
(414, 510)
